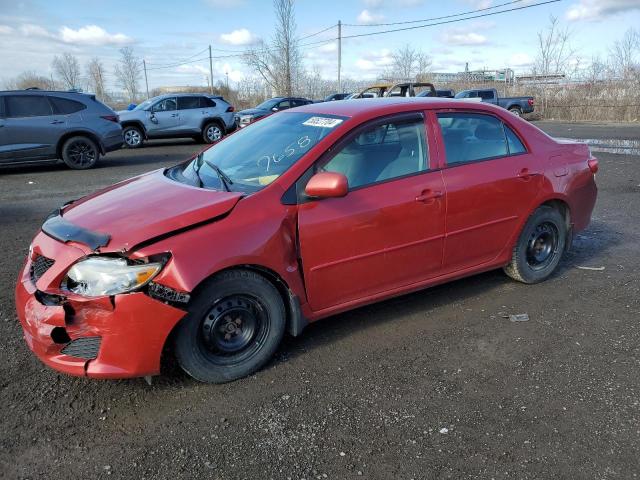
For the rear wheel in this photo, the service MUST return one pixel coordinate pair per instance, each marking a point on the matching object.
(212, 132)
(80, 153)
(539, 248)
(233, 327)
(132, 136)
(516, 111)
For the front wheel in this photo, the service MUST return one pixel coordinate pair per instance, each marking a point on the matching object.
(539, 248)
(133, 137)
(80, 153)
(233, 327)
(212, 132)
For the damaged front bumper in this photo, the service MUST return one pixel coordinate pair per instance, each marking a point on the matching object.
(105, 337)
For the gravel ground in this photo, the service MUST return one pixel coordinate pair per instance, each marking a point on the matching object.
(435, 384)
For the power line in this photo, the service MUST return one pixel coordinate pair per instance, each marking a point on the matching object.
(324, 30)
(431, 19)
(451, 21)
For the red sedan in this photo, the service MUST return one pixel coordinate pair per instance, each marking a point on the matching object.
(307, 213)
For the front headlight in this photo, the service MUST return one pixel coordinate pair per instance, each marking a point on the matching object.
(97, 276)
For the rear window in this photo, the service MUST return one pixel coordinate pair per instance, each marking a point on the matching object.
(206, 102)
(65, 106)
(19, 106)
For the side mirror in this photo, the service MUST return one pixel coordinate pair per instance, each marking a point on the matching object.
(327, 185)
(274, 109)
(153, 118)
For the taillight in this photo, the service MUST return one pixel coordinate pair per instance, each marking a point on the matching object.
(593, 165)
(530, 102)
(231, 109)
(111, 118)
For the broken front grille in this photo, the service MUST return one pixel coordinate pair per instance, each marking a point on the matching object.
(85, 347)
(39, 267)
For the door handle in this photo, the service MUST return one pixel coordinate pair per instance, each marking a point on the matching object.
(428, 196)
(57, 122)
(526, 174)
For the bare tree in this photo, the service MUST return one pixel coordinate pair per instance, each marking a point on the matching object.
(555, 52)
(404, 63)
(30, 79)
(67, 68)
(624, 55)
(279, 63)
(95, 76)
(127, 72)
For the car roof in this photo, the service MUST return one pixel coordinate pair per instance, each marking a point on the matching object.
(389, 105)
(37, 91)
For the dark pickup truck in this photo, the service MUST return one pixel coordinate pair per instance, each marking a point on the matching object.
(516, 105)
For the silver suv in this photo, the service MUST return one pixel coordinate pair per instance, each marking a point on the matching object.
(37, 125)
(196, 115)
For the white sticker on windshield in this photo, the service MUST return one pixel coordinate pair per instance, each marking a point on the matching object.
(324, 122)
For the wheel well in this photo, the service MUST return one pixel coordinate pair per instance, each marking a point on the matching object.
(80, 133)
(135, 123)
(295, 321)
(514, 107)
(565, 211)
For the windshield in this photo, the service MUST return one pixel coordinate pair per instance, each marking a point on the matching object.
(255, 156)
(145, 104)
(269, 104)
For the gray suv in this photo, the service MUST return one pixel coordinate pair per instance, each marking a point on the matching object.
(196, 115)
(37, 125)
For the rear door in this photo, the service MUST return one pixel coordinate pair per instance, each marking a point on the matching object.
(387, 232)
(31, 128)
(163, 118)
(492, 182)
(190, 114)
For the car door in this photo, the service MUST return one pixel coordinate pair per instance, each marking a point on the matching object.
(163, 118)
(31, 128)
(190, 114)
(387, 232)
(491, 183)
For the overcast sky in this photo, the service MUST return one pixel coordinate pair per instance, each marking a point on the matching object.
(166, 32)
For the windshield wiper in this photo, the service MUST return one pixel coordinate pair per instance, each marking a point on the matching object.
(224, 178)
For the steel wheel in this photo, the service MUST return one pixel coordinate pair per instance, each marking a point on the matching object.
(132, 137)
(234, 329)
(542, 246)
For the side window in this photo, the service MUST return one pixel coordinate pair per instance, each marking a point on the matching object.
(2, 115)
(206, 102)
(469, 137)
(382, 152)
(65, 106)
(283, 105)
(515, 145)
(188, 103)
(486, 94)
(27, 106)
(165, 105)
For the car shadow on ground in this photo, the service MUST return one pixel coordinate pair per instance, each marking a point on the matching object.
(588, 246)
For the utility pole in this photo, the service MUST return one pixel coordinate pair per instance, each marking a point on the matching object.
(146, 82)
(210, 71)
(339, 55)
(227, 74)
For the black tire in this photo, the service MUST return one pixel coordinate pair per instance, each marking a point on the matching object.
(540, 246)
(212, 132)
(234, 326)
(80, 153)
(516, 111)
(133, 136)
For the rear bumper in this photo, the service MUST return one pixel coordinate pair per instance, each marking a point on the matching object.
(123, 335)
(112, 142)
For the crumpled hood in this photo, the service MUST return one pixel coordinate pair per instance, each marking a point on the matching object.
(145, 207)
